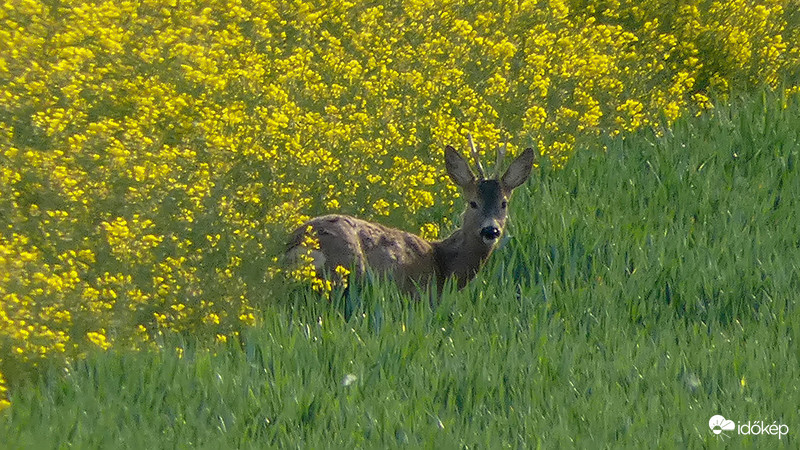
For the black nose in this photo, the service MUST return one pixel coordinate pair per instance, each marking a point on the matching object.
(490, 233)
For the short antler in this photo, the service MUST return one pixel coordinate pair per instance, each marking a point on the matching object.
(498, 165)
(476, 157)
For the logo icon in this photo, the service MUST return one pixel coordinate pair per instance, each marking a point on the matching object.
(719, 424)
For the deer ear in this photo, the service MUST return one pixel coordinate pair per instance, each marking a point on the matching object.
(458, 168)
(519, 170)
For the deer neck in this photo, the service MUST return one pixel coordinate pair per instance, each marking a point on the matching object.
(460, 257)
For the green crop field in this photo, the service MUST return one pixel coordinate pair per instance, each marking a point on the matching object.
(647, 286)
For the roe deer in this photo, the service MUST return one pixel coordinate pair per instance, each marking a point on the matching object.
(414, 262)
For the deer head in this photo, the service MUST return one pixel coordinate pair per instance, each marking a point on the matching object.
(487, 199)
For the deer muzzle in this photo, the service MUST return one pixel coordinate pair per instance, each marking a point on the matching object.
(489, 234)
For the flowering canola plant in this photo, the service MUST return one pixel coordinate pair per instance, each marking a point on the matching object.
(154, 154)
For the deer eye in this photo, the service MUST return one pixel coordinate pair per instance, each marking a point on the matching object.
(504, 204)
(473, 205)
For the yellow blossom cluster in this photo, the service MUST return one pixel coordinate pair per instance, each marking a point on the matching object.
(4, 403)
(155, 153)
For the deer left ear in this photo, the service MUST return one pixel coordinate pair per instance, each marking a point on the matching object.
(519, 170)
(457, 168)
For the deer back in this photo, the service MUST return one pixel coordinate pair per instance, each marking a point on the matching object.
(357, 244)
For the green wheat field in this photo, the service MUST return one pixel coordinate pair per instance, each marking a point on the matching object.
(647, 286)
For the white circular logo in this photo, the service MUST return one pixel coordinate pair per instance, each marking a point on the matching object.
(718, 424)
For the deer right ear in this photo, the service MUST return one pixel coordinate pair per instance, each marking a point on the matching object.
(519, 170)
(458, 168)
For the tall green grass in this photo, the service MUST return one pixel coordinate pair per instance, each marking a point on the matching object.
(646, 287)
